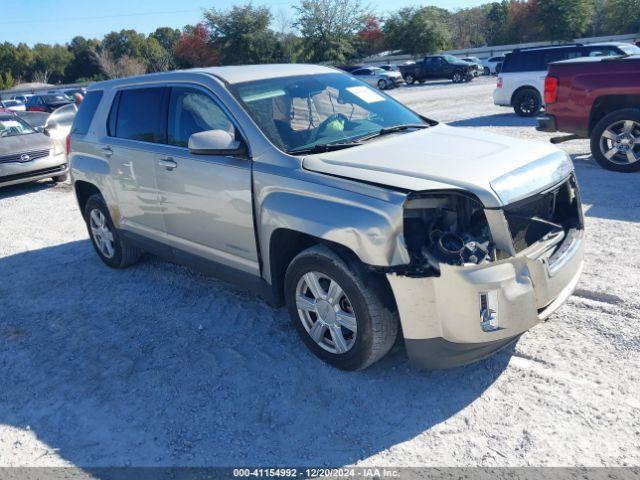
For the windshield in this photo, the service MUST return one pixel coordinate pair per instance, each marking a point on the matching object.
(450, 58)
(10, 126)
(630, 49)
(302, 112)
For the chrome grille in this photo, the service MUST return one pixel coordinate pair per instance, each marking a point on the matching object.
(23, 157)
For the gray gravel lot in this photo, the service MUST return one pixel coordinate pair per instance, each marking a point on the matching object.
(158, 365)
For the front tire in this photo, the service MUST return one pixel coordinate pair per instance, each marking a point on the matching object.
(487, 71)
(113, 250)
(615, 141)
(410, 79)
(457, 77)
(527, 103)
(343, 313)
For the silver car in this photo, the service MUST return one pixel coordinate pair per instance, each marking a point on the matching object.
(27, 155)
(378, 77)
(323, 194)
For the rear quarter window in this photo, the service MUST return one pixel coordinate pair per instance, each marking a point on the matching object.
(85, 114)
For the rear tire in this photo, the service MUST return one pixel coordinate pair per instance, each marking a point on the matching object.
(527, 103)
(102, 232)
(363, 300)
(382, 84)
(603, 143)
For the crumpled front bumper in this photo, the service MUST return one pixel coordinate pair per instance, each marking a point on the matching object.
(445, 321)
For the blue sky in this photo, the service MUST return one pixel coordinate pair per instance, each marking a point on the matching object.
(58, 21)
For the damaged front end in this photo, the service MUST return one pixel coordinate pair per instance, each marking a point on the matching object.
(478, 278)
(446, 228)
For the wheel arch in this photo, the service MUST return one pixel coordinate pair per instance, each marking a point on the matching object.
(606, 104)
(521, 89)
(84, 190)
(285, 245)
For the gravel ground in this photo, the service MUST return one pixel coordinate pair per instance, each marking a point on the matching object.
(158, 365)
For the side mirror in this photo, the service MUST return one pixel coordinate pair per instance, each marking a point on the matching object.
(215, 142)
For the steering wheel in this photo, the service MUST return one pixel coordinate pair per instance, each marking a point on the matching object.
(322, 127)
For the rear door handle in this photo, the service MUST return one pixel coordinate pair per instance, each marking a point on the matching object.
(168, 163)
(106, 151)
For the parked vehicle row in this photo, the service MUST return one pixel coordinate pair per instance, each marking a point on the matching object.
(521, 80)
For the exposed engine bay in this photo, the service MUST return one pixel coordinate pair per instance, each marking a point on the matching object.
(451, 228)
(446, 229)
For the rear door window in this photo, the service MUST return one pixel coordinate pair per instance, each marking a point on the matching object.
(86, 112)
(141, 115)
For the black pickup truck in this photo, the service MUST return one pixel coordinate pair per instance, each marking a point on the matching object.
(438, 66)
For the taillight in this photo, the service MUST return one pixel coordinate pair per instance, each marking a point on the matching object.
(68, 144)
(499, 85)
(550, 90)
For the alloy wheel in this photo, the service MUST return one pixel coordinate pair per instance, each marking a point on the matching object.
(101, 233)
(326, 312)
(620, 142)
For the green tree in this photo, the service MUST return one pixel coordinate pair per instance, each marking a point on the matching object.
(242, 34)
(84, 64)
(622, 16)
(565, 19)
(417, 31)
(166, 37)
(496, 20)
(50, 61)
(6, 81)
(125, 42)
(329, 28)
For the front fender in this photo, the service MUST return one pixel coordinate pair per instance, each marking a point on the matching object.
(371, 228)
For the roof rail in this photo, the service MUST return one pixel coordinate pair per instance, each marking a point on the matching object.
(543, 47)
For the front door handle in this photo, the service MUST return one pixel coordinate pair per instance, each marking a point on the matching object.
(106, 151)
(168, 163)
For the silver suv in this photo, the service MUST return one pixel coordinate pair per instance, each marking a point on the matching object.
(322, 193)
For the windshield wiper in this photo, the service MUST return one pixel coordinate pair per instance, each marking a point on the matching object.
(326, 147)
(394, 129)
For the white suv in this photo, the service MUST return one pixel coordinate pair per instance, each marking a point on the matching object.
(521, 80)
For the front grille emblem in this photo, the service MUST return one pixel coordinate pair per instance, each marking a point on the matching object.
(25, 157)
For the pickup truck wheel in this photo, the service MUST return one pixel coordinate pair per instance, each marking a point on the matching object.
(527, 103)
(110, 247)
(343, 313)
(457, 77)
(615, 141)
(382, 84)
(410, 79)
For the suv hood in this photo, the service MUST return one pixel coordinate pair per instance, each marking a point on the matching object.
(497, 169)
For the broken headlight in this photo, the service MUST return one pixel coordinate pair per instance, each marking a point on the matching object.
(448, 229)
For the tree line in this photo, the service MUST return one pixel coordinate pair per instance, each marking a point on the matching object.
(318, 31)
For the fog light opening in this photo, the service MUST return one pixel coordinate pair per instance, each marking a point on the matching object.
(489, 311)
